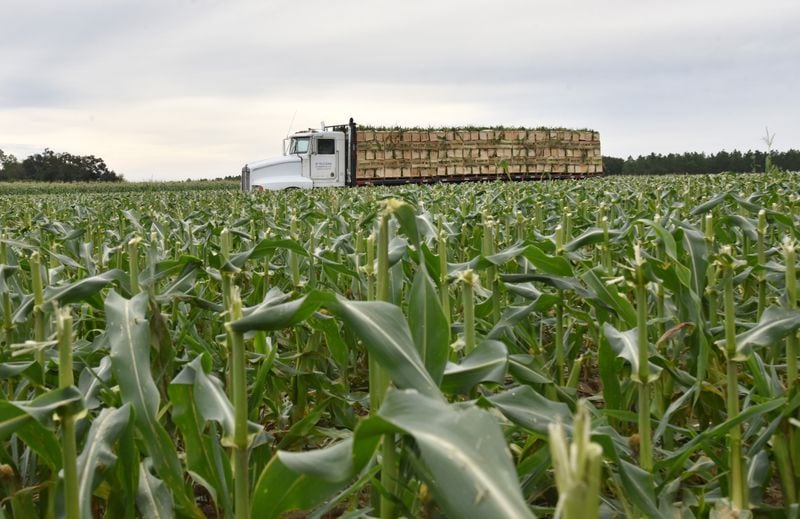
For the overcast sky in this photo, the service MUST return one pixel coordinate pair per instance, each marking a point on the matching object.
(194, 89)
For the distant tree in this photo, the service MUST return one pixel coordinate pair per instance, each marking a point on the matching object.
(50, 166)
(629, 168)
(612, 165)
(10, 168)
(694, 163)
(789, 160)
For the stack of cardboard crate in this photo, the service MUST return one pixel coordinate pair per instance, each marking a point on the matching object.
(514, 153)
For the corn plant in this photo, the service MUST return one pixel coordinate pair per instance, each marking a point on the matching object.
(615, 347)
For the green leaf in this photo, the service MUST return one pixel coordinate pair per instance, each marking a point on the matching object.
(711, 203)
(637, 484)
(271, 316)
(333, 338)
(607, 367)
(92, 380)
(196, 399)
(747, 225)
(555, 265)
(129, 335)
(153, 498)
(673, 407)
(487, 363)
(670, 247)
(299, 481)
(29, 368)
(302, 428)
(672, 267)
(542, 301)
(695, 246)
(512, 316)
(33, 423)
(184, 268)
(429, 326)
(529, 409)
(265, 248)
(505, 255)
(42, 409)
(775, 324)
(609, 295)
(397, 249)
(125, 478)
(6, 271)
(521, 368)
(675, 459)
(626, 345)
(383, 330)
(211, 401)
(98, 455)
(131, 216)
(66, 260)
(84, 289)
(590, 236)
(407, 217)
(464, 450)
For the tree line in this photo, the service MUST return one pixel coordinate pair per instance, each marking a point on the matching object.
(50, 166)
(699, 163)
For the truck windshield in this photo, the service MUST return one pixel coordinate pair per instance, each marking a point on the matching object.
(298, 146)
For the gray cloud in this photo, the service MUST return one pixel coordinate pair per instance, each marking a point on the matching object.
(203, 86)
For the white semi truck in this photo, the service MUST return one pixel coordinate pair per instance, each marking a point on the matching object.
(347, 155)
(312, 158)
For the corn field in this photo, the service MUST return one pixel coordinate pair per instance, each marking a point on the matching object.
(616, 347)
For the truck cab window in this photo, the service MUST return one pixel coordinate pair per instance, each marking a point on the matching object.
(326, 146)
(299, 146)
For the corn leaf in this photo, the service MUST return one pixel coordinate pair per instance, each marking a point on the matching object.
(487, 363)
(98, 454)
(299, 481)
(626, 345)
(546, 263)
(153, 498)
(529, 409)
(198, 398)
(277, 316)
(429, 326)
(463, 449)
(610, 296)
(384, 331)
(775, 324)
(129, 336)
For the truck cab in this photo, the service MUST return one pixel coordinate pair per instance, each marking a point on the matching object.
(312, 158)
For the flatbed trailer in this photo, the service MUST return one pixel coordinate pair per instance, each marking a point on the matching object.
(347, 155)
